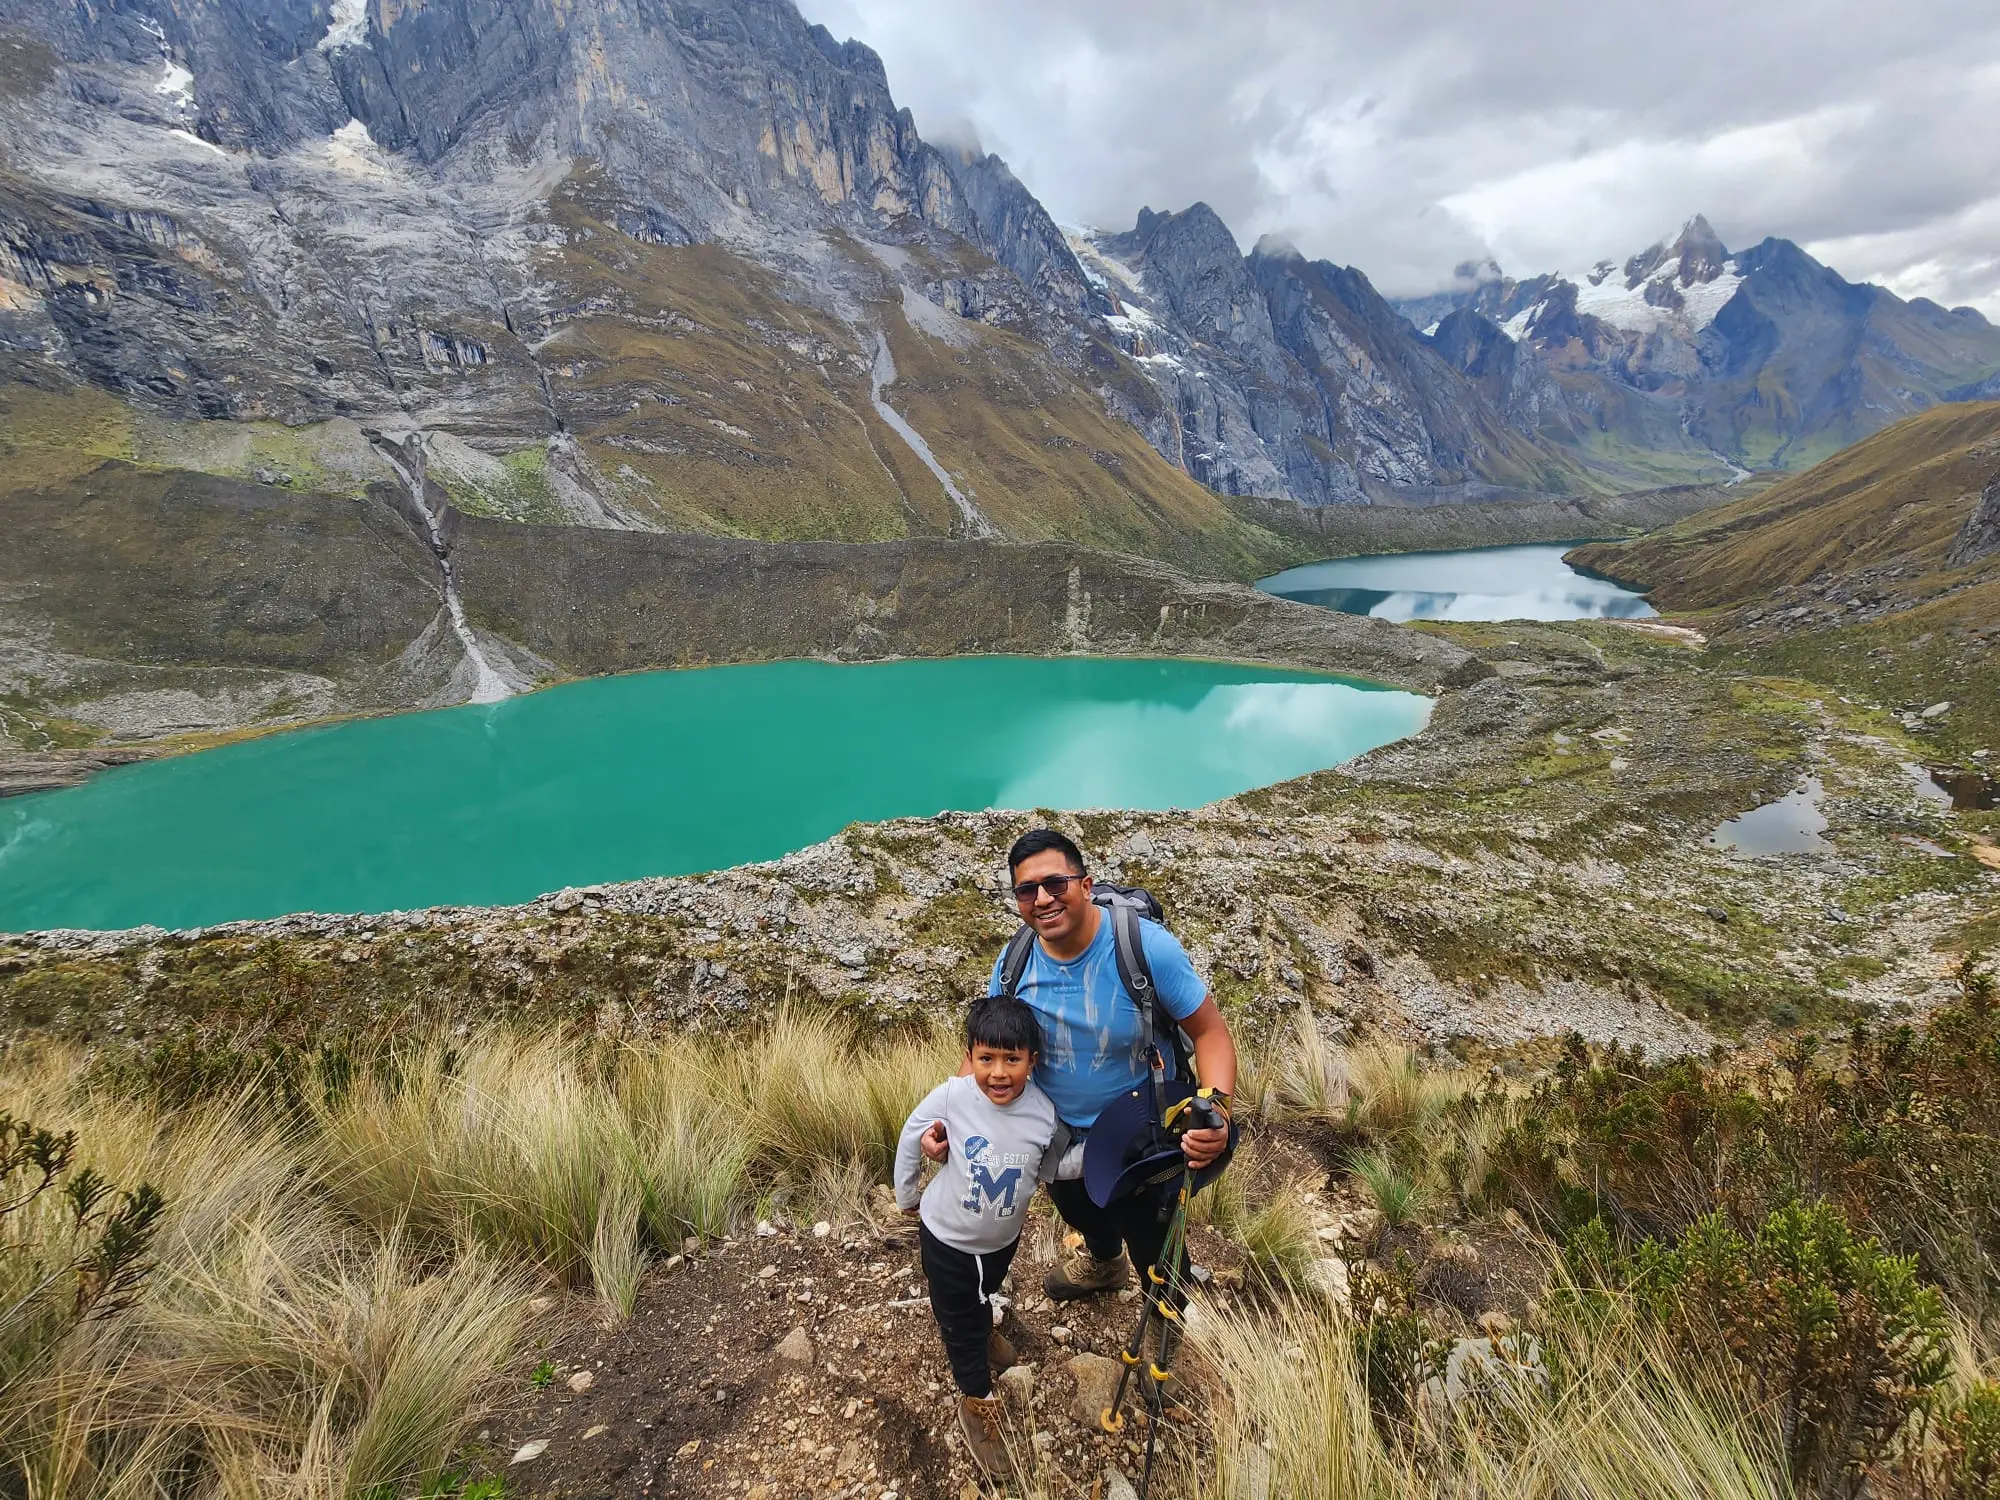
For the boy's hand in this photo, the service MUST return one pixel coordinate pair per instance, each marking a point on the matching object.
(935, 1146)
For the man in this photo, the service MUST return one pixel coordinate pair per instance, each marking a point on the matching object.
(1094, 1049)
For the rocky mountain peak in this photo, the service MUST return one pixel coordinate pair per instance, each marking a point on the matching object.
(1695, 258)
(1193, 262)
(1699, 252)
(1275, 247)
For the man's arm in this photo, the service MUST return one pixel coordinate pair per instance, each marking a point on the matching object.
(1215, 1065)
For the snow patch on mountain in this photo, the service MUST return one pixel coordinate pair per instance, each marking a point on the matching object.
(1627, 304)
(349, 26)
(1516, 327)
(176, 82)
(1103, 270)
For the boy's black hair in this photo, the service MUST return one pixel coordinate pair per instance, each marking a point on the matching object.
(998, 1021)
(1040, 841)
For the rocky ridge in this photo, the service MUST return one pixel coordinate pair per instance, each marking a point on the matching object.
(617, 267)
(1979, 538)
(626, 267)
(1295, 379)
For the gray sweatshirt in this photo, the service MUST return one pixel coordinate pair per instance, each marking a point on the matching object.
(979, 1199)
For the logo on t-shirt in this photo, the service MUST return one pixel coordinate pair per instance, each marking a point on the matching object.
(983, 1187)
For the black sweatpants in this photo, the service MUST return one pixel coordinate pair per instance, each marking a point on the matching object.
(1137, 1224)
(960, 1283)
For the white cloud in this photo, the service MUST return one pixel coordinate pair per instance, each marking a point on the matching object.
(1405, 138)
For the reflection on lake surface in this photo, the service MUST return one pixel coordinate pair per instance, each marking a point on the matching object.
(1481, 583)
(661, 773)
(1791, 825)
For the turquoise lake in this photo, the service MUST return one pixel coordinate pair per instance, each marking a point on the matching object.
(1530, 582)
(662, 773)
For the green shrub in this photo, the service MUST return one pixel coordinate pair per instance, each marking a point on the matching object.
(1900, 1127)
(1837, 1339)
(1967, 1462)
(71, 1246)
(1396, 1350)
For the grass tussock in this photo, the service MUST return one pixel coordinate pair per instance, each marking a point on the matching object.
(274, 1346)
(1268, 1217)
(1295, 1412)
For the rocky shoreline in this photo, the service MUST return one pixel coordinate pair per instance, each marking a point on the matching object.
(1535, 861)
(174, 648)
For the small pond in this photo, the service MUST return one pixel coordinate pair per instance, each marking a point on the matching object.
(1529, 582)
(1791, 825)
(661, 773)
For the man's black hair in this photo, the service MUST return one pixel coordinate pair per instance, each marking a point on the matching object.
(997, 1021)
(1040, 841)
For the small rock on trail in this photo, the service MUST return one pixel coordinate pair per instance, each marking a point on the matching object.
(1096, 1379)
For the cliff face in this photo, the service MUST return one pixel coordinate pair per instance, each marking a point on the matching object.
(453, 216)
(1294, 378)
(340, 207)
(1979, 538)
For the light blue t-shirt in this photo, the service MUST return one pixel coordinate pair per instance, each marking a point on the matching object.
(1093, 1036)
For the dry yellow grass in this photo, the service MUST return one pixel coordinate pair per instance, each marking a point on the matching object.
(273, 1349)
(1289, 1414)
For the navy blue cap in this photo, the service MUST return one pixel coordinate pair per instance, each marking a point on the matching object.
(1128, 1149)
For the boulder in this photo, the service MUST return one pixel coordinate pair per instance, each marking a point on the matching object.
(1096, 1380)
(1017, 1384)
(1499, 1368)
(1979, 538)
(796, 1346)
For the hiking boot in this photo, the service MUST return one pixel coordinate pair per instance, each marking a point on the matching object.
(1084, 1275)
(979, 1425)
(1000, 1352)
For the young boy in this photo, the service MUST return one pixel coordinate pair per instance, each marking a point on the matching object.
(1000, 1126)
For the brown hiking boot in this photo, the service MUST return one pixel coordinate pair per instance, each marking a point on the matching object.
(979, 1425)
(1084, 1275)
(1000, 1351)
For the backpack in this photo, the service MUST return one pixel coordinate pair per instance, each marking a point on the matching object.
(1125, 905)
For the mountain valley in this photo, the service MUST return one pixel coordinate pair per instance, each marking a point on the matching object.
(360, 357)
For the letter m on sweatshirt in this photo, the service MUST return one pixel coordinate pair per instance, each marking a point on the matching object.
(982, 1186)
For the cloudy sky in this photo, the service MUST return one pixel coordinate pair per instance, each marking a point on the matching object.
(1405, 136)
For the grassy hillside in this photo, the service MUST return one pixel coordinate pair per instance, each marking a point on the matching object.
(1838, 575)
(711, 399)
(1899, 497)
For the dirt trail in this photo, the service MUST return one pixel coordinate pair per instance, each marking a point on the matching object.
(692, 1397)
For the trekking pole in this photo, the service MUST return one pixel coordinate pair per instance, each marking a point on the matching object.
(1155, 1305)
(1170, 1302)
(1164, 1299)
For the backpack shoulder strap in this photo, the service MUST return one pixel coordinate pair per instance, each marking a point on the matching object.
(1135, 972)
(1014, 961)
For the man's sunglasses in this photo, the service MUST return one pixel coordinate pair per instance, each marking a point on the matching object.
(1057, 887)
